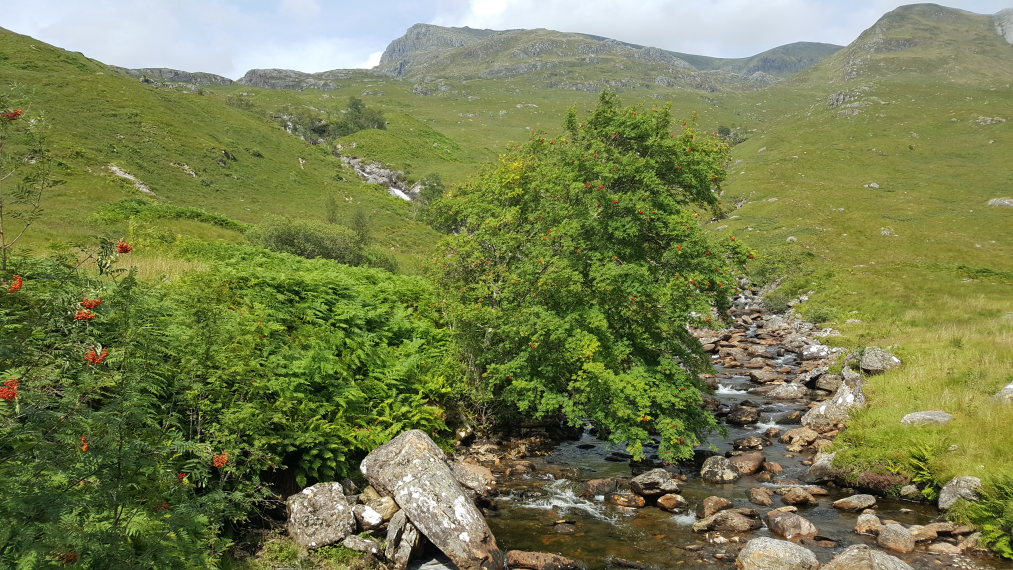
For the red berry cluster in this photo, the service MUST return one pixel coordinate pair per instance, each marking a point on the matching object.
(123, 247)
(12, 115)
(84, 315)
(94, 357)
(91, 303)
(221, 459)
(9, 391)
(84, 444)
(16, 283)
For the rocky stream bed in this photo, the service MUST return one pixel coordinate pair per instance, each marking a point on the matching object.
(761, 496)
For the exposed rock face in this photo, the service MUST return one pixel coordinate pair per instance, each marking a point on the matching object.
(399, 56)
(290, 79)
(770, 554)
(477, 479)
(862, 557)
(815, 352)
(876, 361)
(654, 483)
(790, 525)
(833, 413)
(896, 538)
(1004, 24)
(403, 541)
(320, 515)
(959, 488)
(926, 417)
(718, 469)
(414, 470)
(542, 561)
(164, 74)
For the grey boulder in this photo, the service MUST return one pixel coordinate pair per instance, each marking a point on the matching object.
(320, 515)
(773, 554)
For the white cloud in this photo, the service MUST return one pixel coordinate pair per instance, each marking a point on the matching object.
(372, 61)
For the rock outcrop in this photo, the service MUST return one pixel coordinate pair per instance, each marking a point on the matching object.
(320, 515)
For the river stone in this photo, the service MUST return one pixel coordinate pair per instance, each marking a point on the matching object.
(751, 442)
(790, 525)
(743, 415)
(403, 541)
(477, 478)
(868, 523)
(822, 468)
(926, 417)
(671, 502)
(1006, 394)
(626, 499)
(923, 533)
(944, 548)
(718, 469)
(601, 487)
(320, 515)
(748, 463)
(863, 557)
(772, 554)
(815, 352)
(654, 482)
(542, 561)
(829, 382)
(799, 436)
(761, 496)
(910, 492)
(764, 376)
(895, 537)
(876, 361)
(735, 520)
(834, 412)
(855, 502)
(788, 392)
(958, 488)
(414, 470)
(799, 496)
(714, 504)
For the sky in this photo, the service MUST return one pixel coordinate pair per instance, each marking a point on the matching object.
(229, 37)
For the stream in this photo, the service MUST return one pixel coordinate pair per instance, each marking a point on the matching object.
(545, 511)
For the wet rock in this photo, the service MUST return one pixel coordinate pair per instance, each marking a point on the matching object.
(743, 415)
(773, 467)
(788, 392)
(654, 483)
(320, 515)
(615, 563)
(867, 523)
(923, 533)
(944, 548)
(671, 502)
(862, 557)
(822, 468)
(790, 525)
(414, 470)
(926, 417)
(362, 544)
(799, 436)
(403, 541)
(751, 442)
(625, 499)
(542, 561)
(772, 433)
(773, 554)
(910, 492)
(765, 376)
(718, 469)
(799, 496)
(835, 412)
(876, 361)
(855, 502)
(476, 478)
(895, 537)
(714, 504)
(747, 463)
(367, 517)
(734, 520)
(761, 496)
(601, 487)
(958, 488)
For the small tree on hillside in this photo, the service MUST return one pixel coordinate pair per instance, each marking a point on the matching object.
(576, 267)
(25, 174)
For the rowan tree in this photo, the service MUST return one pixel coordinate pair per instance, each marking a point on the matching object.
(576, 266)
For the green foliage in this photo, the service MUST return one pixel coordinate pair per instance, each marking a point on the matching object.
(920, 465)
(144, 424)
(140, 210)
(993, 513)
(577, 265)
(314, 124)
(314, 240)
